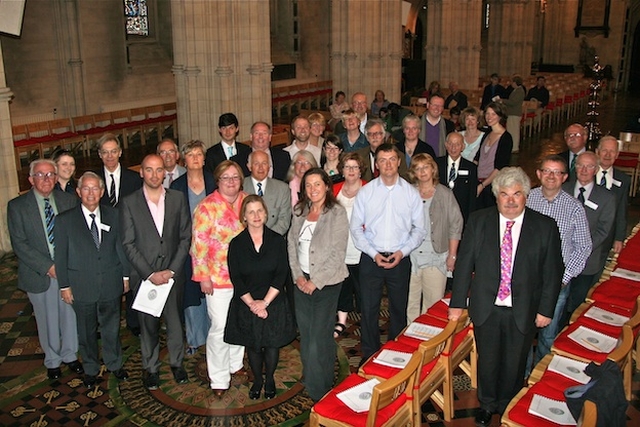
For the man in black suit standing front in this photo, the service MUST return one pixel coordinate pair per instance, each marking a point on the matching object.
(514, 289)
(156, 228)
(92, 274)
(459, 174)
(228, 147)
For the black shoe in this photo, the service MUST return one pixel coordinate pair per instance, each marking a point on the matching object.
(180, 375)
(483, 418)
(135, 331)
(76, 367)
(90, 381)
(254, 393)
(269, 393)
(54, 373)
(121, 374)
(152, 381)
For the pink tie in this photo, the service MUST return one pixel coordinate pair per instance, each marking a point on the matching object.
(506, 250)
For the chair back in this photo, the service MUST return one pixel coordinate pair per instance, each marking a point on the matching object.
(620, 354)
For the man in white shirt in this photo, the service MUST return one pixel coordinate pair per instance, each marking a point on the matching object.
(301, 130)
(119, 182)
(168, 150)
(228, 148)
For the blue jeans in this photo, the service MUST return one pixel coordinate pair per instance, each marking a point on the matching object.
(197, 324)
(546, 336)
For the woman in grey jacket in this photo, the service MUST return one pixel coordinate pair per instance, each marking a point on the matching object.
(436, 255)
(317, 244)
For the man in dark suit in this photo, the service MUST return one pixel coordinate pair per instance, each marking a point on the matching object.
(515, 255)
(31, 220)
(276, 194)
(492, 90)
(279, 160)
(576, 138)
(456, 98)
(600, 207)
(119, 181)
(374, 131)
(228, 147)
(618, 183)
(93, 274)
(459, 174)
(156, 227)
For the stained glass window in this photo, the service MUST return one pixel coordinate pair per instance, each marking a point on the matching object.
(137, 19)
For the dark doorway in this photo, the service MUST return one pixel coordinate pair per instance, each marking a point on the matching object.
(634, 71)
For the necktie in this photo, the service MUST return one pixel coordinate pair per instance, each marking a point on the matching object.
(230, 151)
(506, 255)
(94, 231)
(572, 169)
(452, 174)
(112, 192)
(581, 195)
(49, 220)
(603, 180)
(260, 193)
(170, 179)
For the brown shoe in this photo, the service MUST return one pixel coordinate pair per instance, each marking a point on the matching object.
(219, 392)
(240, 373)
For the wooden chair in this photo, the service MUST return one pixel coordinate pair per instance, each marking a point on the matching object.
(393, 403)
(23, 144)
(63, 134)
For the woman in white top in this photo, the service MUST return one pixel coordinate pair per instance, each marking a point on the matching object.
(470, 120)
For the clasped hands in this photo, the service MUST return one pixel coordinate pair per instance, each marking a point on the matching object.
(259, 308)
(305, 286)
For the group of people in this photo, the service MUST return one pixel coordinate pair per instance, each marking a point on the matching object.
(260, 240)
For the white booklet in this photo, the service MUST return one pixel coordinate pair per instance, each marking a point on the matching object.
(626, 274)
(594, 341)
(605, 316)
(422, 331)
(570, 368)
(555, 411)
(152, 298)
(358, 398)
(393, 358)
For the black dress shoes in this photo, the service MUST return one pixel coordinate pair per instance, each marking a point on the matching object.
(90, 381)
(76, 367)
(254, 392)
(152, 381)
(54, 373)
(483, 418)
(180, 375)
(121, 374)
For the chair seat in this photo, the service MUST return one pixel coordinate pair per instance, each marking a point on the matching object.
(439, 323)
(617, 291)
(371, 369)
(332, 407)
(568, 347)
(520, 412)
(440, 310)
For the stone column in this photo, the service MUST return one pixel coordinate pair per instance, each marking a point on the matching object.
(222, 63)
(366, 47)
(453, 42)
(8, 174)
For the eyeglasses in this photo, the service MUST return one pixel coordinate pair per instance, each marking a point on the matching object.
(234, 178)
(113, 152)
(352, 168)
(422, 168)
(302, 163)
(376, 134)
(588, 167)
(165, 152)
(552, 172)
(42, 175)
(574, 135)
(90, 189)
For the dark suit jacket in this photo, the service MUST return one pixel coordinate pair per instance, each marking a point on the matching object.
(130, 181)
(537, 268)
(280, 158)
(29, 239)
(422, 147)
(215, 155)
(621, 193)
(460, 98)
(182, 185)
(486, 94)
(93, 275)
(465, 188)
(367, 174)
(566, 157)
(146, 250)
(601, 213)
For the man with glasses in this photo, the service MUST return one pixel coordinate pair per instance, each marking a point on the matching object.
(119, 181)
(386, 225)
(31, 220)
(168, 150)
(228, 147)
(376, 136)
(549, 199)
(435, 128)
(576, 138)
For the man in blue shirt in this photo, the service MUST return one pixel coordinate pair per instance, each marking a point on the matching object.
(386, 225)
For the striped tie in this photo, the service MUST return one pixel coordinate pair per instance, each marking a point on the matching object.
(49, 219)
(260, 193)
(452, 174)
(94, 231)
(112, 192)
(603, 180)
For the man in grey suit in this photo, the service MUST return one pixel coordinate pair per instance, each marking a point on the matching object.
(600, 207)
(31, 220)
(156, 229)
(92, 274)
(276, 194)
(168, 150)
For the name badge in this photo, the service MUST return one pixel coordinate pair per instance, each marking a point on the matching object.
(105, 227)
(463, 172)
(591, 205)
(616, 183)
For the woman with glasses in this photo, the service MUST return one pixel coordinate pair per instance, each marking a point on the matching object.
(216, 220)
(302, 161)
(331, 152)
(66, 170)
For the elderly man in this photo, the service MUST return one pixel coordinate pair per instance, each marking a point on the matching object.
(352, 139)
(576, 138)
(456, 98)
(385, 242)
(279, 159)
(93, 274)
(512, 287)
(119, 181)
(435, 128)
(228, 147)
(31, 222)
(615, 181)
(301, 130)
(168, 150)
(600, 207)
(359, 104)
(376, 136)
(411, 144)
(276, 194)
(549, 199)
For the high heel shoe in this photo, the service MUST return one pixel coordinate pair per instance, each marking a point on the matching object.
(254, 392)
(269, 390)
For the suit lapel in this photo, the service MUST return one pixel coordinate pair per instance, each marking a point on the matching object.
(33, 212)
(143, 209)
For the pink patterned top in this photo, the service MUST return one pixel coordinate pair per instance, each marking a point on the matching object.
(215, 223)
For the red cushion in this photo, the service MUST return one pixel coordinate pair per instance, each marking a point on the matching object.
(617, 291)
(557, 381)
(520, 412)
(332, 407)
(440, 310)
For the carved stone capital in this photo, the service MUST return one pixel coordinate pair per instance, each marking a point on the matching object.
(5, 94)
(192, 71)
(223, 71)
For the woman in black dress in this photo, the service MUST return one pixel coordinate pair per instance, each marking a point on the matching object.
(259, 317)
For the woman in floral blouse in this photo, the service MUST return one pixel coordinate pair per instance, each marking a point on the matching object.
(216, 221)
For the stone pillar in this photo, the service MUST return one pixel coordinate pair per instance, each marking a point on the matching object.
(222, 63)
(69, 46)
(366, 47)
(453, 42)
(511, 36)
(8, 174)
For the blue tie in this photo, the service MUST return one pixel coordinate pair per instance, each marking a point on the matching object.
(230, 151)
(260, 193)
(603, 180)
(49, 218)
(452, 172)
